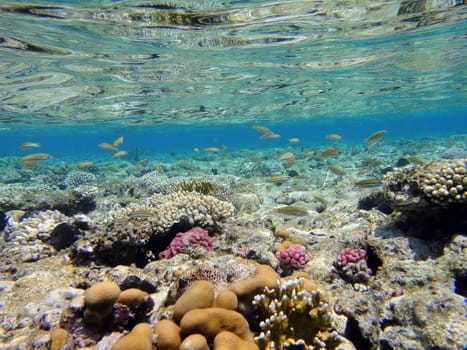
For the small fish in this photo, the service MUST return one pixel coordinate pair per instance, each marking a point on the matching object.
(334, 137)
(330, 152)
(107, 146)
(211, 149)
(368, 183)
(223, 147)
(85, 164)
(28, 145)
(261, 128)
(294, 140)
(270, 135)
(372, 145)
(196, 150)
(36, 156)
(292, 210)
(278, 179)
(308, 153)
(336, 170)
(285, 156)
(118, 141)
(416, 160)
(323, 201)
(119, 154)
(29, 163)
(376, 135)
(290, 162)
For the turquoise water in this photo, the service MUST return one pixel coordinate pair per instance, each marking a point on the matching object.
(172, 76)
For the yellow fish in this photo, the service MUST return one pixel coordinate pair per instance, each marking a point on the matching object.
(107, 146)
(376, 135)
(118, 141)
(285, 156)
(330, 152)
(335, 137)
(278, 179)
(270, 135)
(36, 156)
(370, 146)
(29, 163)
(294, 140)
(261, 128)
(120, 154)
(28, 145)
(211, 149)
(85, 164)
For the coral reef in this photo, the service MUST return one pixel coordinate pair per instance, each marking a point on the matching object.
(293, 316)
(352, 265)
(80, 199)
(183, 242)
(77, 178)
(133, 234)
(293, 256)
(435, 183)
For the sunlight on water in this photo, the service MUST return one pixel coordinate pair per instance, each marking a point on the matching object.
(144, 63)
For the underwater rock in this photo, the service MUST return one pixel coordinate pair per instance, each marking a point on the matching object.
(41, 197)
(63, 236)
(431, 196)
(3, 220)
(430, 319)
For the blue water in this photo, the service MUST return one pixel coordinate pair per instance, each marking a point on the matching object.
(166, 141)
(84, 72)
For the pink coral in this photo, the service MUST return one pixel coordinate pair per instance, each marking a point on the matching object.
(295, 256)
(353, 266)
(351, 255)
(185, 240)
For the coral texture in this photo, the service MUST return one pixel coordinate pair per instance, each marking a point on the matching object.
(294, 317)
(352, 265)
(435, 183)
(294, 256)
(196, 237)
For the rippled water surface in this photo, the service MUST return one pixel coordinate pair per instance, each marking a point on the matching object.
(228, 61)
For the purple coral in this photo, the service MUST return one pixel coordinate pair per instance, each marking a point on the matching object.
(294, 256)
(185, 240)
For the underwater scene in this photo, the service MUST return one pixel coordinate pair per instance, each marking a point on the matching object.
(233, 175)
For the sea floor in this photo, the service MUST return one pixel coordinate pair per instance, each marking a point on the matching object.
(70, 226)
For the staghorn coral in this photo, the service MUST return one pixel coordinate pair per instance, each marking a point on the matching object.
(295, 317)
(436, 183)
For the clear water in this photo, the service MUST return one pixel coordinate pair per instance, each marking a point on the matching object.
(174, 75)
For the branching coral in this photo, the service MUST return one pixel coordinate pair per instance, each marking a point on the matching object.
(294, 317)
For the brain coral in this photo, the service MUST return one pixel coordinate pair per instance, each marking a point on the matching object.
(436, 183)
